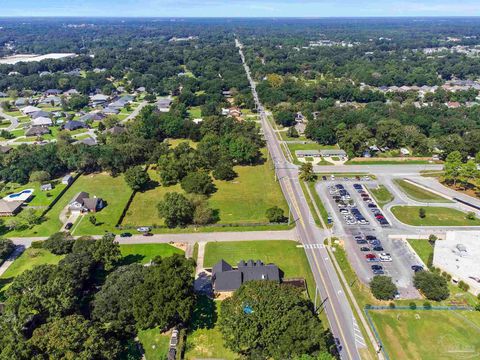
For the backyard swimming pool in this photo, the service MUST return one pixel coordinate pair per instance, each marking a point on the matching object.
(20, 196)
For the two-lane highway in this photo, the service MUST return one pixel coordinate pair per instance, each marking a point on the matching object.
(335, 303)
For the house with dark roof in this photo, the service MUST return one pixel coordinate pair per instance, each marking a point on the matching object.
(40, 113)
(74, 125)
(89, 141)
(116, 130)
(53, 92)
(82, 202)
(37, 131)
(226, 278)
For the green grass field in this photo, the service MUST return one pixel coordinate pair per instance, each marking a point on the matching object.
(429, 335)
(30, 258)
(154, 343)
(143, 253)
(195, 112)
(435, 216)
(416, 193)
(423, 249)
(381, 195)
(289, 258)
(204, 339)
(242, 200)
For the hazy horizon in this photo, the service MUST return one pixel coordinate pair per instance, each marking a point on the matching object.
(240, 8)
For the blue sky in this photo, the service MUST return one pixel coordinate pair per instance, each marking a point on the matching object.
(239, 8)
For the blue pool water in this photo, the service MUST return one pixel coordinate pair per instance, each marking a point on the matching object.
(13, 196)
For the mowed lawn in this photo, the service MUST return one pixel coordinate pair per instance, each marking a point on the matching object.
(285, 254)
(429, 335)
(30, 258)
(435, 216)
(113, 190)
(154, 343)
(423, 248)
(143, 253)
(381, 195)
(416, 193)
(240, 201)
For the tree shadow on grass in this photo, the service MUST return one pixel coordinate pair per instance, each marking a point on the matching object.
(131, 259)
(204, 315)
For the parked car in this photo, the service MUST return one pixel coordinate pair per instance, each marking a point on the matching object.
(147, 234)
(385, 257)
(143, 229)
(125, 234)
(417, 268)
(377, 248)
(371, 237)
(376, 267)
(68, 226)
(361, 242)
(364, 248)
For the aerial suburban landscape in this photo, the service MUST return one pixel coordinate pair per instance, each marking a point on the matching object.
(189, 183)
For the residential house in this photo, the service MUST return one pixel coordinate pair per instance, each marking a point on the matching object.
(3, 95)
(82, 202)
(71, 92)
(74, 125)
(51, 100)
(141, 89)
(116, 130)
(21, 102)
(5, 149)
(111, 111)
(225, 278)
(42, 121)
(9, 208)
(163, 105)
(37, 131)
(27, 110)
(67, 179)
(97, 116)
(40, 113)
(98, 99)
(89, 141)
(53, 92)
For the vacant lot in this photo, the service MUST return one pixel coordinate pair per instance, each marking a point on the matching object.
(143, 253)
(242, 200)
(416, 193)
(30, 258)
(429, 335)
(435, 216)
(289, 258)
(204, 339)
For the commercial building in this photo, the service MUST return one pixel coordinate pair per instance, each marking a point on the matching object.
(459, 255)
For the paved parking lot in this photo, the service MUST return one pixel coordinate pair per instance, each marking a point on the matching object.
(361, 224)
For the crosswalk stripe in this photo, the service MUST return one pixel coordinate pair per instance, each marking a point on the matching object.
(313, 246)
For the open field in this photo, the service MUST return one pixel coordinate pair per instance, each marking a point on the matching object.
(144, 253)
(381, 195)
(195, 112)
(435, 216)
(289, 258)
(429, 335)
(154, 343)
(30, 258)
(416, 193)
(242, 200)
(423, 249)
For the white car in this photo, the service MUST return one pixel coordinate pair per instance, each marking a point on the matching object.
(143, 229)
(385, 257)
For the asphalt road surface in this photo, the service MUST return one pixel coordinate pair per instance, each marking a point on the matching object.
(335, 303)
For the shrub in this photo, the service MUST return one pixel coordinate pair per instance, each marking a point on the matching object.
(432, 285)
(422, 213)
(427, 305)
(391, 305)
(60, 243)
(463, 285)
(6, 248)
(383, 288)
(477, 307)
(275, 215)
(36, 244)
(412, 306)
(471, 215)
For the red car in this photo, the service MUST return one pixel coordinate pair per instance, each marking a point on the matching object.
(370, 256)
